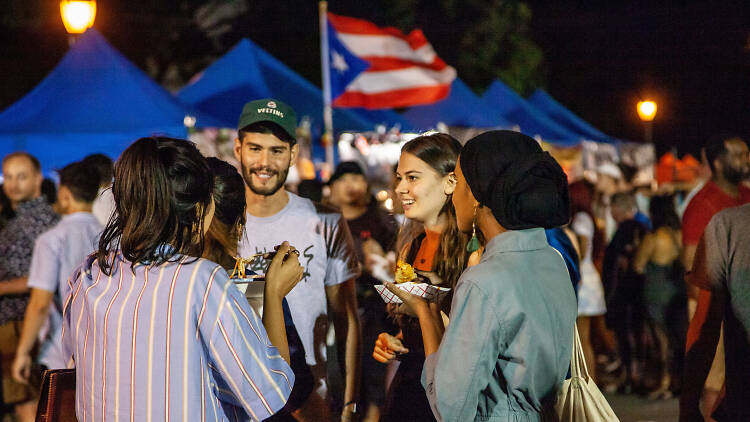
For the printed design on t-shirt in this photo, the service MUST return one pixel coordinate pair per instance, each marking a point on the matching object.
(260, 264)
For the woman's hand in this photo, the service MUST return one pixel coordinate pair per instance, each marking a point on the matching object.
(428, 313)
(387, 347)
(284, 271)
(430, 277)
(412, 304)
(435, 280)
(400, 309)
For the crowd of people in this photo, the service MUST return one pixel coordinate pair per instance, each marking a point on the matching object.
(123, 273)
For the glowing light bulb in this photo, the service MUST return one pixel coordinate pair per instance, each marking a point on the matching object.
(646, 110)
(77, 15)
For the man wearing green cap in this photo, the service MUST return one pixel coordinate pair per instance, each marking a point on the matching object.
(266, 147)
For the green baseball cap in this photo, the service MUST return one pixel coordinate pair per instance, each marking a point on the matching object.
(269, 110)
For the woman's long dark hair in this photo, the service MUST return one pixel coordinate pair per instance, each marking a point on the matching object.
(662, 213)
(229, 214)
(162, 191)
(439, 151)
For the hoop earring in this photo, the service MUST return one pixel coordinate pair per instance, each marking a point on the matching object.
(473, 244)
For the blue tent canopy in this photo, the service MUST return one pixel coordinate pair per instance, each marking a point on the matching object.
(531, 121)
(544, 102)
(94, 100)
(462, 108)
(248, 72)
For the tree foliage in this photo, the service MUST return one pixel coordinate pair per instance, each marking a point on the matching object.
(498, 46)
(483, 39)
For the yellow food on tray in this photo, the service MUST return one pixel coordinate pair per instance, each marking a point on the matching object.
(404, 273)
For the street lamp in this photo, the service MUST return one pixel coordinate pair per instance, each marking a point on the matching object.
(647, 112)
(77, 16)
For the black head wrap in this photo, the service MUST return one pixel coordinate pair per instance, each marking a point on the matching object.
(509, 173)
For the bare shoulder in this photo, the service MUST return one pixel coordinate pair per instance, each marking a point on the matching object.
(662, 233)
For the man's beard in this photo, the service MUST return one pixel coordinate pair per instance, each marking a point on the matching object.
(20, 197)
(357, 200)
(281, 175)
(736, 176)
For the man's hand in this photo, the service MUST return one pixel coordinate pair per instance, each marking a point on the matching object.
(37, 312)
(21, 368)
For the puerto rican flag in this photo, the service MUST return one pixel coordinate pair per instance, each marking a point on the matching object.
(375, 67)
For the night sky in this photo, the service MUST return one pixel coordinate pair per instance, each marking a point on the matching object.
(692, 57)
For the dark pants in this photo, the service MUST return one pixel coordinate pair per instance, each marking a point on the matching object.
(303, 379)
(406, 399)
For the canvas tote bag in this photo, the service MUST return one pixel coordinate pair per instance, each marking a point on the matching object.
(579, 399)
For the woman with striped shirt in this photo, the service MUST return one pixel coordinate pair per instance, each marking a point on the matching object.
(156, 333)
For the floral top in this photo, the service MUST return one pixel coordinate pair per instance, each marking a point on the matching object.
(17, 238)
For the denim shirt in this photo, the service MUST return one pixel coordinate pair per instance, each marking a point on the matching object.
(507, 348)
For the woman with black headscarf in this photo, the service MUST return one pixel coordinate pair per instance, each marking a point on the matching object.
(507, 348)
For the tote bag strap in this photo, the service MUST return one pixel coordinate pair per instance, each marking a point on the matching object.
(578, 366)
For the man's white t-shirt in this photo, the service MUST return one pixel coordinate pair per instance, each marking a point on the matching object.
(104, 205)
(326, 252)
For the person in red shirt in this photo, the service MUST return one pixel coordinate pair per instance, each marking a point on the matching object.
(729, 160)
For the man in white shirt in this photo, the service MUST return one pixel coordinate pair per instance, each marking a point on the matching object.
(266, 147)
(57, 252)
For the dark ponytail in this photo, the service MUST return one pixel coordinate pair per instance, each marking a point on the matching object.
(162, 189)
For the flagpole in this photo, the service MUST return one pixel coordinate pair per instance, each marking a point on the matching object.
(326, 73)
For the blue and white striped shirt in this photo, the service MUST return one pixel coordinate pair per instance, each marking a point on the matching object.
(176, 341)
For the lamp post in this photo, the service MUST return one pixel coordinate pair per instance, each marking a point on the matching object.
(77, 16)
(647, 112)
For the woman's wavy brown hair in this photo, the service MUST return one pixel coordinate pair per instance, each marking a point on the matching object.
(440, 151)
(162, 190)
(225, 230)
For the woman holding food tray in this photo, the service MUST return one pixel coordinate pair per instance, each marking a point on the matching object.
(152, 329)
(507, 348)
(432, 243)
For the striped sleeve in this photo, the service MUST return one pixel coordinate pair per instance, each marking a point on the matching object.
(68, 338)
(249, 370)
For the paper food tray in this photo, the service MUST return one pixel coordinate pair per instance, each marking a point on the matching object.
(427, 291)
